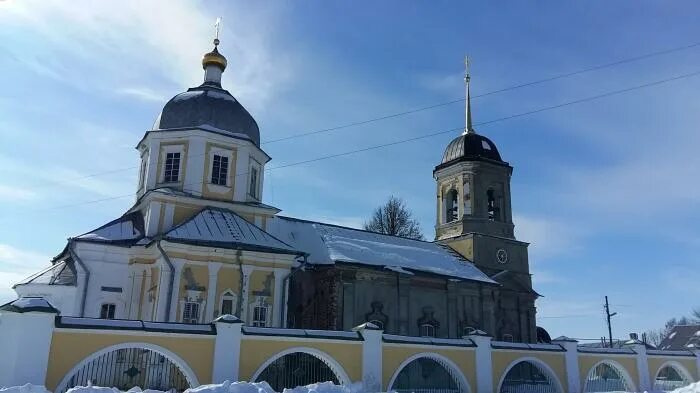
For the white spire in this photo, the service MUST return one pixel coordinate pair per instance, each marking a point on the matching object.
(468, 129)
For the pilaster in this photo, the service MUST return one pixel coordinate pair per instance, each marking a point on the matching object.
(213, 268)
(644, 383)
(371, 356)
(277, 306)
(246, 270)
(227, 349)
(484, 372)
(573, 376)
(175, 296)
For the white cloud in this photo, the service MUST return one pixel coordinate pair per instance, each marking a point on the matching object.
(154, 45)
(15, 260)
(548, 237)
(15, 265)
(14, 193)
(143, 93)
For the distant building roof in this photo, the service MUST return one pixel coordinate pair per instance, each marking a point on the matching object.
(224, 228)
(328, 244)
(680, 337)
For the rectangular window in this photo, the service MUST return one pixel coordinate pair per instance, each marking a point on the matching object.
(107, 311)
(253, 189)
(259, 316)
(227, 306)
(219, 170)
(172, 168)
(190, 313)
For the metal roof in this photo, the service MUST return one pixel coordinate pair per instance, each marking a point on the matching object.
(328, 244)
(224, 228)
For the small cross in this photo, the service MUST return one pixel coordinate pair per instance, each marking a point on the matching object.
(467, 66)
(217, 27)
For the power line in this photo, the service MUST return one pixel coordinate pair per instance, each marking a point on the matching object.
(369, 148)
(416, 110)
(514, 87)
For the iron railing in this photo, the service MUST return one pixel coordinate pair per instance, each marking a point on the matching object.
(296, 369)
(130, 367)
(606, 378)
(427, 375)
(527, 377)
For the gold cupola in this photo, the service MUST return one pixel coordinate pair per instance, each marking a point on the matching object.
(214, 57)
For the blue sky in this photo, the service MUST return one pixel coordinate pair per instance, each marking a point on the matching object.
(607, 191)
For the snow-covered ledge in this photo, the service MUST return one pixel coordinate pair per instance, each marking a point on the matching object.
(29, 322)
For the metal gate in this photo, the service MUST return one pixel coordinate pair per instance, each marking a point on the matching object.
(528, 377)
(296, 369)
(427, 375)
(669, 378)
(129, 367)
(606, 378)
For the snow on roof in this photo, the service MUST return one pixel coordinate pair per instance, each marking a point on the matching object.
(126, 228)
(28, 304)
(327, 244)
(226, 228)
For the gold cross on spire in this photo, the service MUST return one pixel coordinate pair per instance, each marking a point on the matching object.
(217, 27)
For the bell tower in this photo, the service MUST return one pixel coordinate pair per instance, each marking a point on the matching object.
(473, 185)
(474, 218)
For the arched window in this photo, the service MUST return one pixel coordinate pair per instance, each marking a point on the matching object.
(493, 203)
(528, 376)
(606, 377)
(451, 205)
(427, 330)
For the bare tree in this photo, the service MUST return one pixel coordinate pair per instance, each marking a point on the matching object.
(394, 218)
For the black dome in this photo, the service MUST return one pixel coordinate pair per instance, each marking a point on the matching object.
(208, 105)
(471, 147)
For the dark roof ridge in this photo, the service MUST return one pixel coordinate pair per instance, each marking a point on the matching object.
(354, 229)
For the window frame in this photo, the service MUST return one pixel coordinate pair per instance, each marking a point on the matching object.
(425, 334)
(228, 295)
(260, 314)
(254, 167)
(216, 177)
(111, 308)
(191, 319)
(172, 149)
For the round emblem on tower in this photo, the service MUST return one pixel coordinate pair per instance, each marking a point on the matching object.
(501, 256)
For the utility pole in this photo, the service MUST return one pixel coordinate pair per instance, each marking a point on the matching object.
(609, 315)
